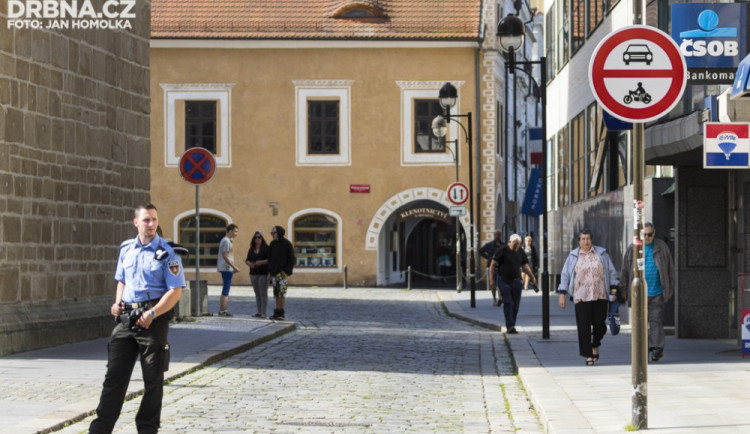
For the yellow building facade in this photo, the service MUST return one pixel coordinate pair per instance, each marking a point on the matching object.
(329, 139)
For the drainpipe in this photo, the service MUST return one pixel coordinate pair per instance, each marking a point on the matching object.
(478, 135)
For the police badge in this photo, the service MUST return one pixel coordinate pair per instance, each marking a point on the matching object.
(174, 267)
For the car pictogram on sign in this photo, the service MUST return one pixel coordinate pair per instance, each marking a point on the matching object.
(637, 53)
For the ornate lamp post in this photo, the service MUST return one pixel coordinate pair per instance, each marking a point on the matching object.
(511, 32)
(448, 96)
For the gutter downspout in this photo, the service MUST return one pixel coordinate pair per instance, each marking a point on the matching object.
(478, 135)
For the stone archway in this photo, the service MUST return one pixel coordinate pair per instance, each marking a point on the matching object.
(377, 239)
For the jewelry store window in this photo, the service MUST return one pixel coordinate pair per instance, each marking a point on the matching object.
(314, 241)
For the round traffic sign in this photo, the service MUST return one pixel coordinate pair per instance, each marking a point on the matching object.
(197, 166)
(458, 193)
(637, 73)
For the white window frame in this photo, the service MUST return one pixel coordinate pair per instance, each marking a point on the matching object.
(340, 90)
(411, 90)
(219, 92)
(176, 230)
(339, 239)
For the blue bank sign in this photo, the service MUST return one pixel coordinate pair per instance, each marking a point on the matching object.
(712, 37)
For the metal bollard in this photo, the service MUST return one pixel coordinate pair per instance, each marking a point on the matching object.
(346, 277)
(408, 278)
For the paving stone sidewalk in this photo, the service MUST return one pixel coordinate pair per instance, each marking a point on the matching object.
(46, 388)
(700, 386)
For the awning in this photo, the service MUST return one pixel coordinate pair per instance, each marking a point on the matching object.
(741, 86)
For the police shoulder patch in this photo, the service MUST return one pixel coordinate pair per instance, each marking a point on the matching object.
(174, 267)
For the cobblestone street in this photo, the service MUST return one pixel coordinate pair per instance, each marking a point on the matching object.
(382, 360)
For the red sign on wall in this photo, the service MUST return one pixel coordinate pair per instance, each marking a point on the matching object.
(359, 188)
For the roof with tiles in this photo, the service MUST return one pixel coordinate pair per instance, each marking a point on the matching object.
(316, 19)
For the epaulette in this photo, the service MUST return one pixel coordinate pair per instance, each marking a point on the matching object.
(161, 253)
(178, 248)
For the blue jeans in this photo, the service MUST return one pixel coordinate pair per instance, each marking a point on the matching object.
(226, 279)
(510, 291)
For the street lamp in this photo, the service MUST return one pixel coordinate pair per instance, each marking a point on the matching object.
(439, 129)
(448, 95)
(511, 32)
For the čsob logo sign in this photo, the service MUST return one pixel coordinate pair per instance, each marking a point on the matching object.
(710, 35)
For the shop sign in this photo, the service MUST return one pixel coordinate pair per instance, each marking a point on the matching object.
(726, 145)
(712, 38)
(423, 212)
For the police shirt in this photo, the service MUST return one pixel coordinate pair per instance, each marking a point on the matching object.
(145, 277)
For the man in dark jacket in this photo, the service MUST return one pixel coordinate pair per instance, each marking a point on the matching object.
(280, 266)
(487, 251)
(659, 274)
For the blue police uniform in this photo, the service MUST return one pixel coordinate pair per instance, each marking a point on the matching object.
(145, 277)
(148, 272)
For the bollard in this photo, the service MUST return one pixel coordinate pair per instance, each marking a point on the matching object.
(408, 278)
(346, 277)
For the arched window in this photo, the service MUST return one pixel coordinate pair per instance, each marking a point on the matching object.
(314, 239)
(213, 229)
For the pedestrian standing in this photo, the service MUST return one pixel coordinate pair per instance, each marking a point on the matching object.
(280, 267)
(505, 271)
(150, 280)
(487, 251)
(257, 260)
(659, 274)
(225, 265)
(532, 256)
(587, 276)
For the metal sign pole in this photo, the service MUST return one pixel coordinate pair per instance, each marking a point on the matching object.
(197, 252)
(639, 338)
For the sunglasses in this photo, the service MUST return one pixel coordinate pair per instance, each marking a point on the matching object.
(648, 234)
(258, 237)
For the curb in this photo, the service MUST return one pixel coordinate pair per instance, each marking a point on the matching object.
(219, 354)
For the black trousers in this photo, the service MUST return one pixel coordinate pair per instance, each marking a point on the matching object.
(510, 291)
(124, 348)
(590, 319)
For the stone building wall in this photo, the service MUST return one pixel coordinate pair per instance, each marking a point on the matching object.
(74, 160)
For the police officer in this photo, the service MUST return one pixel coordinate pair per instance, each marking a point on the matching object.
(149, 281)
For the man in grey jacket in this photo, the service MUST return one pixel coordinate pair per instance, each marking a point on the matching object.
(659, 275)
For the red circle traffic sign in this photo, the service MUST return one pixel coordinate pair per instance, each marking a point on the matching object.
(637, 73)
(458, 193)
(197, 166)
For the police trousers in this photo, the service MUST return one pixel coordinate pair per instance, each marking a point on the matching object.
(124, 347)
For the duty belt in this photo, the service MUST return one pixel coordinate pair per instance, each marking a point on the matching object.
(131, 306)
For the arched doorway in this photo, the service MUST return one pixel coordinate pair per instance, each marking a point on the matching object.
(402, 232)
(430, 249)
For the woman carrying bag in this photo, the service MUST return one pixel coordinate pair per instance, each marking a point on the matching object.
(587, 276)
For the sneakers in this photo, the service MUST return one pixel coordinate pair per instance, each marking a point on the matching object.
(258, 315)
(657, 354)
(224, 313)
(512, 331)
(614, 324)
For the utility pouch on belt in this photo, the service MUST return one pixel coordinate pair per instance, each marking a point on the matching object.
(165, 358)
